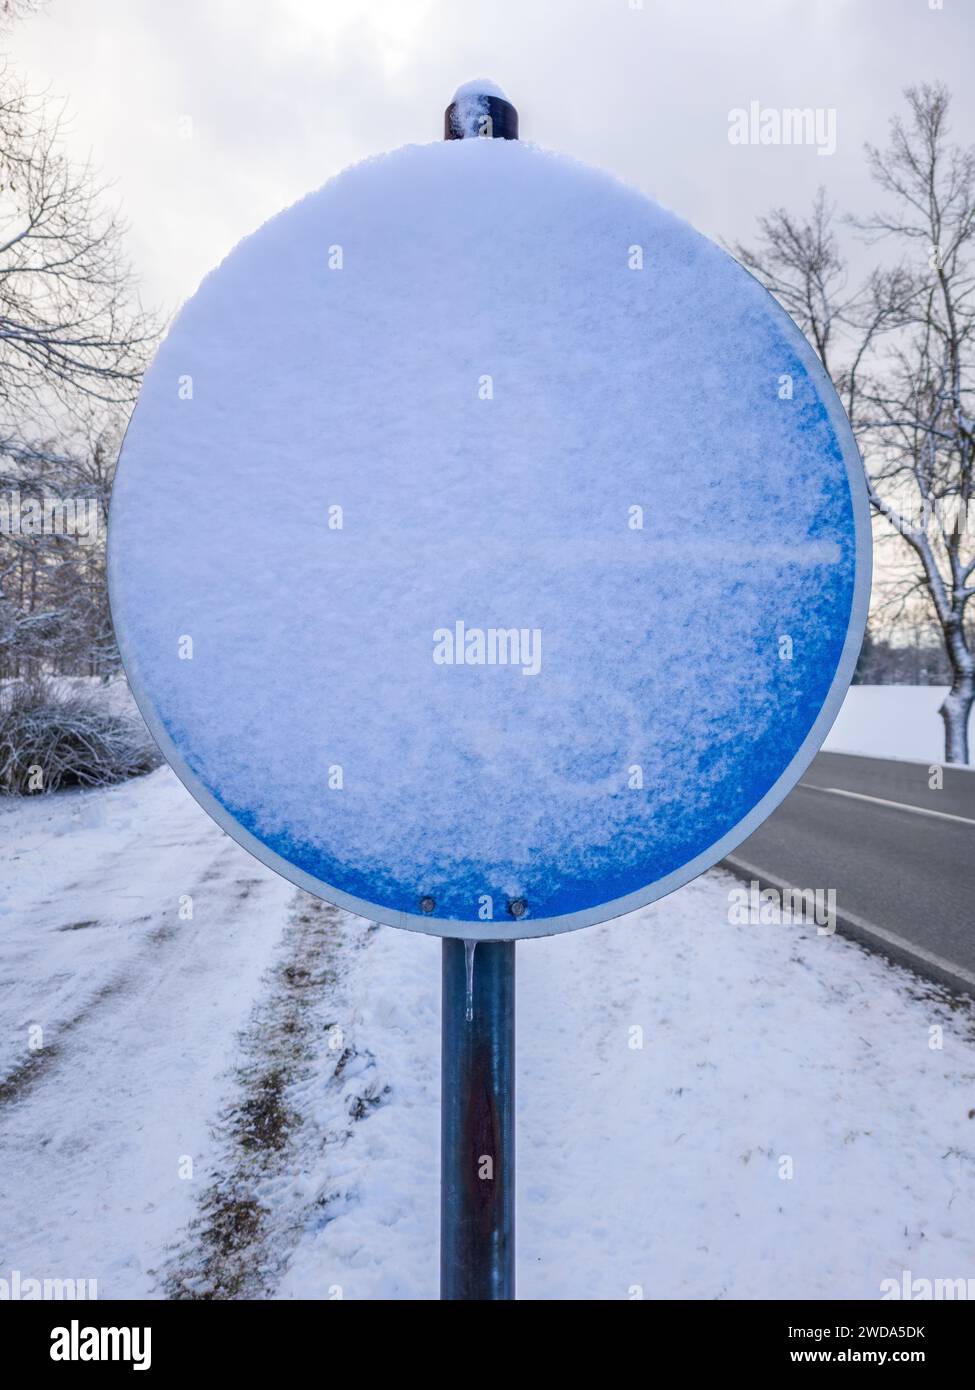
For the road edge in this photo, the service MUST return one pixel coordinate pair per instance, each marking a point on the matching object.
(893, 758)
(878, 939)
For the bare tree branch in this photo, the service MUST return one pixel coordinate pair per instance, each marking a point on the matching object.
(901, 351)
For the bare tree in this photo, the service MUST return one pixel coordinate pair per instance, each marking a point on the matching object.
(900, 350)
(70, 324)
(74, 340)
(54, 613)
(12, 10)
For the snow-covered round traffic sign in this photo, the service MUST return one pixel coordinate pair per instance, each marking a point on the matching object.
(489, 551)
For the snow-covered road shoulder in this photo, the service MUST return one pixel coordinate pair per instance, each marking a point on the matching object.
(133, 938)
(244, 1102)
(705, 1110)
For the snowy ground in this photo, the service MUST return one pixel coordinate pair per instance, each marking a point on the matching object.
(290, 1053)
(892, 721)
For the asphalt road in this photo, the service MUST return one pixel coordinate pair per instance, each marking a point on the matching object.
(900, 855)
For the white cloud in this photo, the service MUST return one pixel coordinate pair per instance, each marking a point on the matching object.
(281, 94)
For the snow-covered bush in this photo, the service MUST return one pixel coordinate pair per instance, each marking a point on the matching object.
(53, 737)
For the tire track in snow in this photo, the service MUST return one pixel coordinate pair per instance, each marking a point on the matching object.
(140, 1022)
(294, 1048)
(41, 1064)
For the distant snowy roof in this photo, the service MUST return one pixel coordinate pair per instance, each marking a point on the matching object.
(511, 524)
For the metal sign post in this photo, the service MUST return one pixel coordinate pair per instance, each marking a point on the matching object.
(477, 1071)
(477, 1121)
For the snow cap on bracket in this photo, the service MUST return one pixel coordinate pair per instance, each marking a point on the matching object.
(480, 109)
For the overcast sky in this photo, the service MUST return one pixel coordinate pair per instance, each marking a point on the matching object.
(280, 94)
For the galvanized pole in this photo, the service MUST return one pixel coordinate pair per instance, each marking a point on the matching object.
(477, 1122)
(477, 1095)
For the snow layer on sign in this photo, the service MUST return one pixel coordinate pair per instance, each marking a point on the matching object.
(440, 398)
